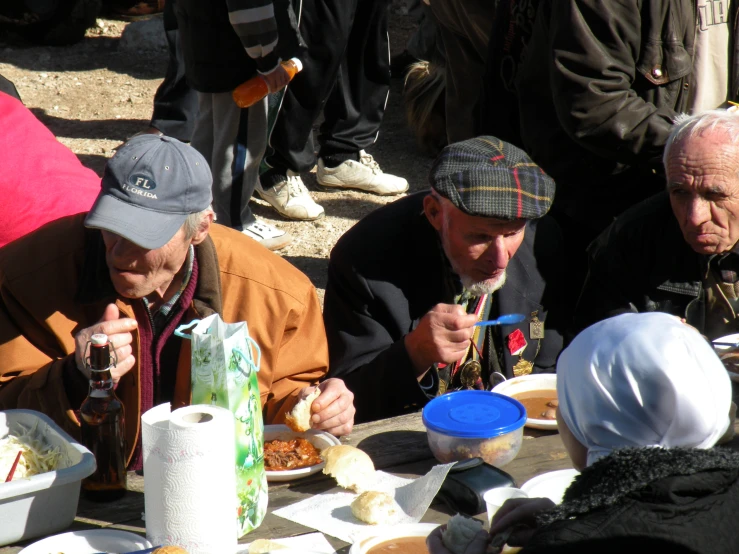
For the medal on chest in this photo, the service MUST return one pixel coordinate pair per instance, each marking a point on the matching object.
(470, 373)
(536, 327)
(516, 346)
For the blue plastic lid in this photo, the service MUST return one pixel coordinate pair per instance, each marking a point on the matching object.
(474, 414)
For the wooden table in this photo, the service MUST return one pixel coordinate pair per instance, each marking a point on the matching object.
(396, 445)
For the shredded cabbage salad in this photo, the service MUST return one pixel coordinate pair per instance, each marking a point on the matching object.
(38, 457)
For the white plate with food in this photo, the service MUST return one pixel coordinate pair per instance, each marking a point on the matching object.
(292, 452)
(538, 394)
(89, 542)
(724, 343)
(551, 485)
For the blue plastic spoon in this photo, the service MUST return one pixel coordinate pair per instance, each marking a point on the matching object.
(509, 319)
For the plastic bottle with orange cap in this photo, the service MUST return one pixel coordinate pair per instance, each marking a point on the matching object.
(252, 91)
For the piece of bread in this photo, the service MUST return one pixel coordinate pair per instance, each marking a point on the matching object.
(351, 467)
(376, 507)
(170, 550)
(460, 531)
(264, 546)
(298, 419)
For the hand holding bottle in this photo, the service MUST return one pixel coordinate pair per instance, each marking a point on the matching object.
(277, 79)
(252, 91)
(119, 332)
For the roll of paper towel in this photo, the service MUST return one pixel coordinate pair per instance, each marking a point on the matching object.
(189, 478)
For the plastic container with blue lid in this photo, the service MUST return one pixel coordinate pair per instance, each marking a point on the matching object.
(471, 423)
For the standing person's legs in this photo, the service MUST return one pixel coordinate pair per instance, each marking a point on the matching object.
(354, 110)
(175, 103)
(325, 26)
(233, 140)
(423, 43)
(465, 30)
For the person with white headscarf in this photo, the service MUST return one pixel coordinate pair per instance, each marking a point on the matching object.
(643, 398)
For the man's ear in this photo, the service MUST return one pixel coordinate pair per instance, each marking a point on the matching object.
(203, 229)
(434, 211)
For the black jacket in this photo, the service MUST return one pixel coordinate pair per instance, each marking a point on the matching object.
(599, 89)
(641, 263)
(388, 271)
(215, 58)
(647, 500)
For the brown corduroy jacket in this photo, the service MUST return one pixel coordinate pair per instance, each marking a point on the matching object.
(54, 282)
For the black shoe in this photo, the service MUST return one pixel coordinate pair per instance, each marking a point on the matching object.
(399, 64)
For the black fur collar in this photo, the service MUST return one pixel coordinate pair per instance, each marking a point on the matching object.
(630, 470)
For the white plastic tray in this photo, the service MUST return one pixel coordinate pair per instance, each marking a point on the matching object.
(89, 542)
(44, 503)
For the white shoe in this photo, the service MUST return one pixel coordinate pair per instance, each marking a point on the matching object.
(364, 175)
(291, 199)
(268, 236)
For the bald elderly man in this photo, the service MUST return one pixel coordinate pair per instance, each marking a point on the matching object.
(677, 252)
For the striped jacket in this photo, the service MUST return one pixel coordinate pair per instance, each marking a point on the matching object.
(255, 24)
(226, 42)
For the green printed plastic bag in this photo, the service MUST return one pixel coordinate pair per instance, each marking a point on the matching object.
(225, 362)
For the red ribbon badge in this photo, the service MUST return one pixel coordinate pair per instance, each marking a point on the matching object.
(516, 342)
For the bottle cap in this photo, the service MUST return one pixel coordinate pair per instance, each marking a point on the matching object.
(297, 63)
(99, 339)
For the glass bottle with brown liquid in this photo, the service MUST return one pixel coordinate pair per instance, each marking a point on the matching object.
(102, 422)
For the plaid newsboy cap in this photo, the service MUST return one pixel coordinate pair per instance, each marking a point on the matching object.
(487, 177)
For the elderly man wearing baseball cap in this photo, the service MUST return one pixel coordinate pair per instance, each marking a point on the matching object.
(408, 283)
(146, 258)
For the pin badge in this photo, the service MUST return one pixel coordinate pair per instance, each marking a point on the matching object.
(536, 327)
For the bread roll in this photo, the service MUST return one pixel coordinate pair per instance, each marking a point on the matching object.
(459, 533)
(170, 550)
(376, 507)
(263, 546)
(298, 419)
(351, 467)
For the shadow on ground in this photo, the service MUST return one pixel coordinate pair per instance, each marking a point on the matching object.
(96, 129)
(315, 268)
(90, 53)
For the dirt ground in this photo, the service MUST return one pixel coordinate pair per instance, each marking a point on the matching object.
(93, 96)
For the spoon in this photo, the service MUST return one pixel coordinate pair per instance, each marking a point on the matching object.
(509, 319)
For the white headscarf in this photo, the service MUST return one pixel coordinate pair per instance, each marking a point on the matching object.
(642, 380)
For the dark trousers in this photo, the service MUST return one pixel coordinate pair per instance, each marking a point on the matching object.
(465, 27)
(346, 72)
(175, 103)
(425, 43)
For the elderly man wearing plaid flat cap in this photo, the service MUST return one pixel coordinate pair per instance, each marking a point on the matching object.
(407, 283)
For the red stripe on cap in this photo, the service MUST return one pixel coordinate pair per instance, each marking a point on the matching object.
(518, 188)
(496, 158)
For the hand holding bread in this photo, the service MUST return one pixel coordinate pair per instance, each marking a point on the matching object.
(330, 409)
(298, 419)
(460, 535)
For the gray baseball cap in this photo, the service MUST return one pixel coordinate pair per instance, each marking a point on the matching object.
(149, 188)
